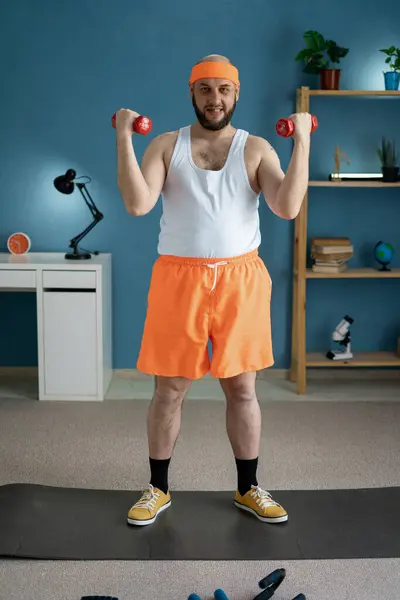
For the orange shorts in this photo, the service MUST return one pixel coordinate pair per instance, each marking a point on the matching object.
(194, 300)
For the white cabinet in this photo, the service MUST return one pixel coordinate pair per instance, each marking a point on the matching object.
(74, 318)
(74, 325)
(70, 343)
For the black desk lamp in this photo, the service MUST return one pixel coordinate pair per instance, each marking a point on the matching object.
(65, 185)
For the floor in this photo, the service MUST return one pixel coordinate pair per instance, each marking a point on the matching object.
(342, 433)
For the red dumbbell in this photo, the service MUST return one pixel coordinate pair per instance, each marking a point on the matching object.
(142, 125)
(285, 127)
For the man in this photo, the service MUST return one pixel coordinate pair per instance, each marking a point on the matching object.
(208, 282)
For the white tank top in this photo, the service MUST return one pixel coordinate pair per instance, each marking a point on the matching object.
(208, 214)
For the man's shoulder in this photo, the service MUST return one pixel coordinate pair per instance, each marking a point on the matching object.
(162, 144)
(169, 135)
(257, 141)
(258, 145)
(165, 140)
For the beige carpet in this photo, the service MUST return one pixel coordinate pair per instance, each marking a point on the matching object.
(341, 434)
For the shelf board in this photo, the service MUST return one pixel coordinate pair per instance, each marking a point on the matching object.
(361, 359)
(363, 184)
(354, 93)
(355, 273)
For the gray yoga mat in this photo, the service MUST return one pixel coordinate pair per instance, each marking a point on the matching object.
(45, 522)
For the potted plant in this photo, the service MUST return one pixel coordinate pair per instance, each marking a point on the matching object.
(388, 157)
(392, 78)
(319, 56)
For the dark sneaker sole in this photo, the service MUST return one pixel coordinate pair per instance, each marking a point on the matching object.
(263, 519)
(149, 521)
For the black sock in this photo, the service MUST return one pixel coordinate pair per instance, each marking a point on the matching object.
(247, 474)
(159, 473)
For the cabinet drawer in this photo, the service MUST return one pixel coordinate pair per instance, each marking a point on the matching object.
(69, 279)
(17, 278)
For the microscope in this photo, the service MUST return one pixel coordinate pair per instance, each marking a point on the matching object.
(342, 336)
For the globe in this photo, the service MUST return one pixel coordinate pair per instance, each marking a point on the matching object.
(383, 253)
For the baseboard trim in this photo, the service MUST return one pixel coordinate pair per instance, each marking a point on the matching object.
(345, 374)
(283, 374)
(270, 374)
(138, 375)
(20, 371)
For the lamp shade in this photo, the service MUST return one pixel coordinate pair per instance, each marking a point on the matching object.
(65, 183)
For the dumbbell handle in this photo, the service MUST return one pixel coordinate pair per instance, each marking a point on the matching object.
(142, 125)
(285, 127)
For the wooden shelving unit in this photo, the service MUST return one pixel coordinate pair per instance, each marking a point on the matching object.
(362, 359)
(362, 184)
(355, 273)
(300, 359)
(349, 92)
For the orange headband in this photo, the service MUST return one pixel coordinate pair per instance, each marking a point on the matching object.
(211, 70)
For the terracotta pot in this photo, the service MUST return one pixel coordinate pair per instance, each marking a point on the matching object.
(330, 79)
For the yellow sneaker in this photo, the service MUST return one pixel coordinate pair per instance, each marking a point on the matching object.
(260, 503)
(152, 502)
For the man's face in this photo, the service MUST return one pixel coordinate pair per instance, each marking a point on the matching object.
(214, 102)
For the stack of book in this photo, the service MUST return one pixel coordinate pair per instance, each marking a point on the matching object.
(331, 255)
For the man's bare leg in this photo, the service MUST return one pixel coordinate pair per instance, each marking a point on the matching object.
(243, 415)
(243, 424)
(163, 425)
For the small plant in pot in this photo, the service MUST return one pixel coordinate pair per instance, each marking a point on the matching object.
(320, 56)
(392, 78)
(388, 157)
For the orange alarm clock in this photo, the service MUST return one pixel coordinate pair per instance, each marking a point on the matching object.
(19, 243)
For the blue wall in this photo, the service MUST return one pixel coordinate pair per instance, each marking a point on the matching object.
(67, 66)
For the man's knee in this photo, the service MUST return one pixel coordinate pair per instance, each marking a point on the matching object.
(171, 391)
(240, 388)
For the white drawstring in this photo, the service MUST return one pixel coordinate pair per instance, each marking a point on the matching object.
(215, 267)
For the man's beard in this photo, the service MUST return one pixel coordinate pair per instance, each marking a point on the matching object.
(213, 126)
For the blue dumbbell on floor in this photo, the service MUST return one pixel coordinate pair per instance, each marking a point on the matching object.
(218, 595)
(268, 584)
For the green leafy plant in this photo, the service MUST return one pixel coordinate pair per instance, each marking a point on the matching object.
(387, 153)
(319, 53)
(393, 57)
